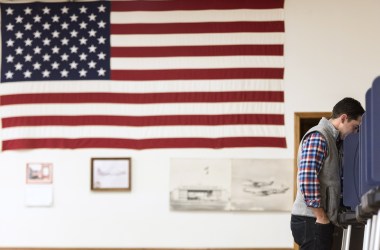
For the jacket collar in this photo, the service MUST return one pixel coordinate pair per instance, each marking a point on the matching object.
(328, 125)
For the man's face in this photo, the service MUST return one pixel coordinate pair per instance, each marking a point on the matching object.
(348, 127)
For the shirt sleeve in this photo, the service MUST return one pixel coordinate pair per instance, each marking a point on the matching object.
(314, 152)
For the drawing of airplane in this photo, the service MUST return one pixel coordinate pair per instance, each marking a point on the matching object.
(265, 191)
(257, 184)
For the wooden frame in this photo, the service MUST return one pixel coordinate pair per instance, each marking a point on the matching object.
(111, 174)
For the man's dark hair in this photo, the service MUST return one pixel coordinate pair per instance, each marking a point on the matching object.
(349, 106)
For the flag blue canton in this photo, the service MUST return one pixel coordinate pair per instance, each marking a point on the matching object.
(55, 41)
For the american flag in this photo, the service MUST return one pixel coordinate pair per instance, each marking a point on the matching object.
(142, 74)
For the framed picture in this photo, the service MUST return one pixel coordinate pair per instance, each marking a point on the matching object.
(39, 173)
(111, 174)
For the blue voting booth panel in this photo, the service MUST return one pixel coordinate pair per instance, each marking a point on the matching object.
(364, 184)
(375, 132)
(351, 196)
(369, 141)
(365, 140)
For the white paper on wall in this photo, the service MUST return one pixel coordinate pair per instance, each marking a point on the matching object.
(39, 195)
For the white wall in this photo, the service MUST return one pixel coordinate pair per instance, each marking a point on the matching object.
(331, 51)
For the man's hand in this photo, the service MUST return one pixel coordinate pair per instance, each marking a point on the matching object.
(320, 215)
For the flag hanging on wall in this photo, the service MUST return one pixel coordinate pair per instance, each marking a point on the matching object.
(142, 74)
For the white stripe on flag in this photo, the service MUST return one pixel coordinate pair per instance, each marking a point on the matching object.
(144, 132)
(141, 86)
(197, 16)
(203, 62)
(196, 39)
(141, 109)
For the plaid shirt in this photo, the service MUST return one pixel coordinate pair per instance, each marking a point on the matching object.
(314, 152)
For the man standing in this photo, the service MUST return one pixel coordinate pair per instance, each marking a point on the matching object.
(315, 208)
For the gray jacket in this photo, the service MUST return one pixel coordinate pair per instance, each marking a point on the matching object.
(329, 175)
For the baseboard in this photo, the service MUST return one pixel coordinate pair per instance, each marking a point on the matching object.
(91, 248)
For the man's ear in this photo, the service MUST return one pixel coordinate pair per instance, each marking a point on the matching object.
(343, 118)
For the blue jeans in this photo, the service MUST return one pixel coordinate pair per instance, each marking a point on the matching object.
(310, 235)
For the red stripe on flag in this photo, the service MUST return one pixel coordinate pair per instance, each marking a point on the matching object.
(194, 5)
(185, 28)
(164, 120)
(180, 97)
(198, 74)
(217, 50)
(228, 142)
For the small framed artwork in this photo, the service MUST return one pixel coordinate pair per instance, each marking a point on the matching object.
(39, 173)
(111, 174)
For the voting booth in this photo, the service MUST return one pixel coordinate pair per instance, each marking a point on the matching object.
(361, 175)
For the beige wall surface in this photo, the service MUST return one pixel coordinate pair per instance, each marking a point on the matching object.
(331, 51)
